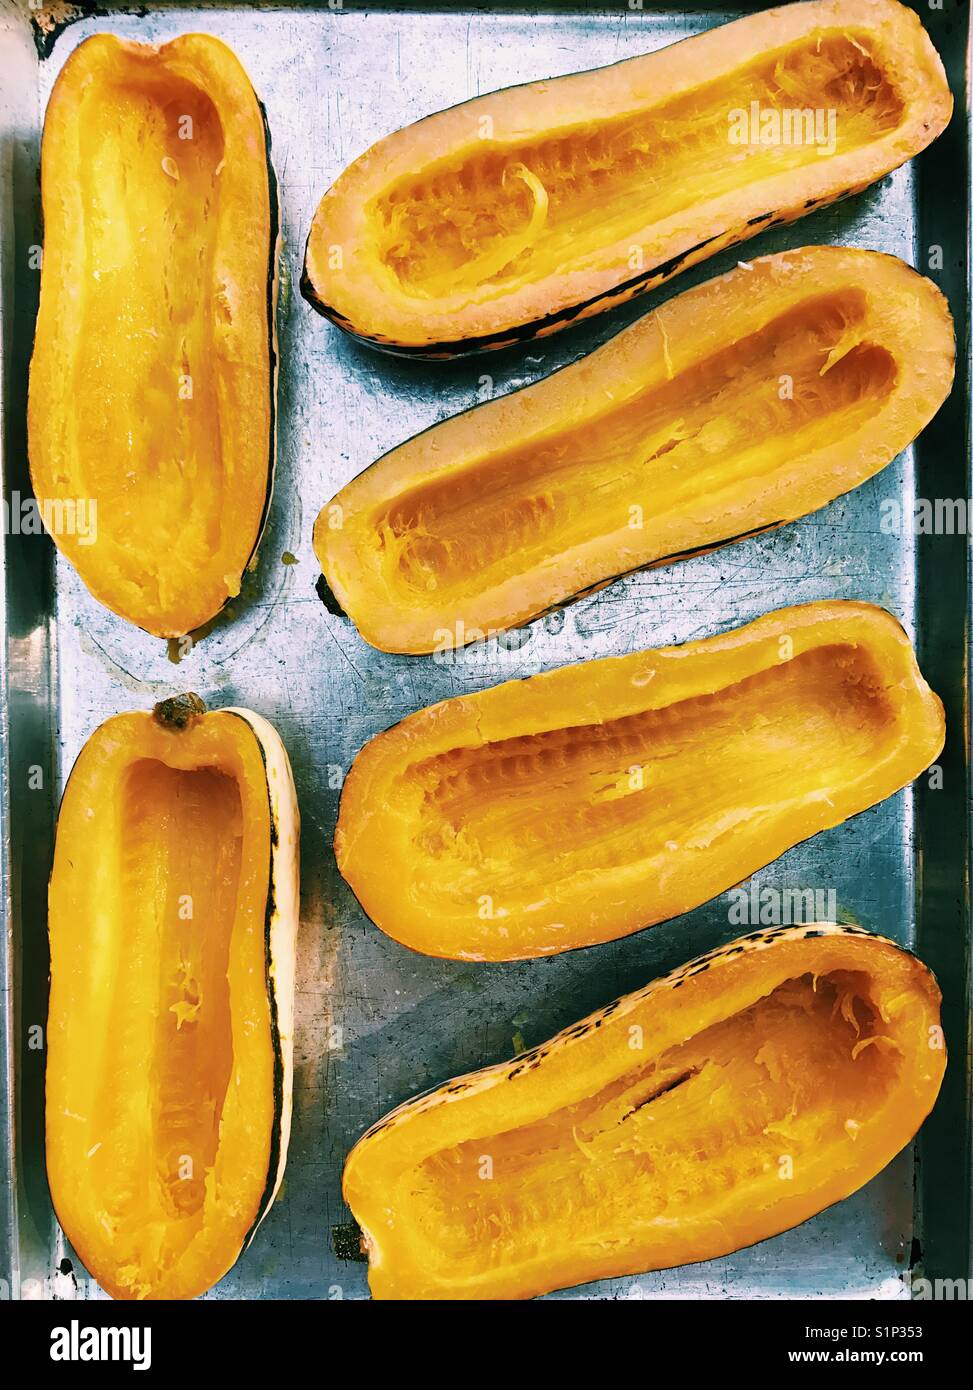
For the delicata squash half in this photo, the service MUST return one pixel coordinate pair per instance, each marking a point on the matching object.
(588, 802)
(740, 405)
(509, 216)
(173, 919)
(656, 1131)
(153, 376)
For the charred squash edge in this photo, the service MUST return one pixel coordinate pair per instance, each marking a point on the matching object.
(273, 290)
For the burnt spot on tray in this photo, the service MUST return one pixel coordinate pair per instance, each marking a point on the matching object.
(347, 1242)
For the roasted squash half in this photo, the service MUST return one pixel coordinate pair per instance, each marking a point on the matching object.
(152, 382)
(586, 803)
(173, 921)
(738, 406)
(510, 216)
(720, 1105)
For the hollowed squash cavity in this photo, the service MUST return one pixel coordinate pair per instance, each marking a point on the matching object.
(587, 803)
(510, 215)
(173, 913)
(152, 381)
(740, 405)
(720, 1105)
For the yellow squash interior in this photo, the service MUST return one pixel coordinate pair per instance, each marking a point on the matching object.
(719, 1106)
(745, 403)
(718, 422)
(160, 1081)
(184, 838)
(151, 380)
(514, 818)
(796, 1075)
(146, 448)
(586, 803)
(502, 216)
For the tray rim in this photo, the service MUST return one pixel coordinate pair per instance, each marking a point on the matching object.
(953, 1227)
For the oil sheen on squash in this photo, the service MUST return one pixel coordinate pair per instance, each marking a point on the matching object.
(653, 1133)
(511, 215)
(169, 1017)
(586, 803)
(740, 405)
(152, 379)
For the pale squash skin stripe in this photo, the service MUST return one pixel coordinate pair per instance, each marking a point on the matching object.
(471, 1083)
(282, 920)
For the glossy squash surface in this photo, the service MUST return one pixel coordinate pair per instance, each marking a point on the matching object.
(720, 1105)
(512, 215)
(153, 376)
(586, 803)
(173, 919)
(742, 404)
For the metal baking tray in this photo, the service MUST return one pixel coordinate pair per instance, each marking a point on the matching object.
(376, 1023)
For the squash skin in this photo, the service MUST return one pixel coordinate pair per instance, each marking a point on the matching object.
(366, 296)
(510, 824)
(405, 565)
(282, 922)
(410, 1255)
(226, 454)
(248, 1161)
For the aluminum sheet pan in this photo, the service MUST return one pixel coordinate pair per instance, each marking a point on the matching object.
(376, 1023)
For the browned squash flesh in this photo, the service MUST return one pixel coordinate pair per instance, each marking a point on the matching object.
(742, 404)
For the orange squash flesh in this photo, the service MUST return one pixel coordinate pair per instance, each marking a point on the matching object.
(740, 405)
(720, 1105)
(509, 216)
(152, 379)
(588, 802)
(173, 909)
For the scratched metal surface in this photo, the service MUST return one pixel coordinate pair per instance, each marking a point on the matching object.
(376, 1023)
